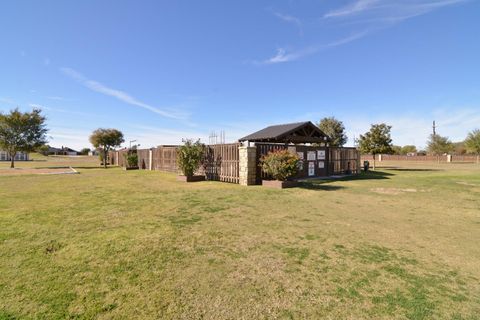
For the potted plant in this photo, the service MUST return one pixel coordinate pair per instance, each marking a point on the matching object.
(281, 165)
(189, 159)
(131, 158)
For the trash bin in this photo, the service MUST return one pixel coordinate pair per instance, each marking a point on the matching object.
(366, 165)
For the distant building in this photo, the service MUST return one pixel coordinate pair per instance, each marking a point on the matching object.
(20, 156)
(63, 151)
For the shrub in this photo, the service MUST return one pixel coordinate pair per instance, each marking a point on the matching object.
(190, 156)
(132, 160)
(280, 164)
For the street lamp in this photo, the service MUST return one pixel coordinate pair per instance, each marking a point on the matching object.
(131, 143)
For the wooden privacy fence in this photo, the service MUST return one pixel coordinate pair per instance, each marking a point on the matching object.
(442, 158)
(315, 161)
(221, 163)
(165, 158)
(344, 160)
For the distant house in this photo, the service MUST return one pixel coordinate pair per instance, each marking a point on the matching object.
(20, 156)
(63, 151)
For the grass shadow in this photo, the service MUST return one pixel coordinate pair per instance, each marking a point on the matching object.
(411, 169)
(324, 184)
(319, 185)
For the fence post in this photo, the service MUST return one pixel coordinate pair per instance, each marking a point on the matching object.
(116, 157)
(449, 158)
(379, 158)
(247, 165)
(150, 157)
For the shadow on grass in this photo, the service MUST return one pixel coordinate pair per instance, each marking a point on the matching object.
(411, 169)
(324, 184)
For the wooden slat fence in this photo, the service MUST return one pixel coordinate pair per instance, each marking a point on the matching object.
(143, 158)
(343, 160)
(165, 159)
(430, 158)
(222, 162)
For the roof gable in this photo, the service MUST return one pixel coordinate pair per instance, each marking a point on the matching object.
(299, 132)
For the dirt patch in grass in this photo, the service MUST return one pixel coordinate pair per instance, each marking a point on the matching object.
(395, 191)
(25, 171)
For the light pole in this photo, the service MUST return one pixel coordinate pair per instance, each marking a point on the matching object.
(131, 143)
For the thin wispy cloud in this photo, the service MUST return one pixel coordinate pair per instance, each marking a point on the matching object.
(283, 55)
(120, 95)
(290, 19)
(388, 10)
(371, 15)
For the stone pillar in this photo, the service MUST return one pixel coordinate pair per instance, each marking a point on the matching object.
(150, 157)
(248, 165)
(449, 158)
(379, 158)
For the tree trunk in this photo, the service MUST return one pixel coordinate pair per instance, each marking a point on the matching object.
(105, 158)
(12, 159)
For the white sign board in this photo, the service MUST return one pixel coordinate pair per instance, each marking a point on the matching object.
(311, 169)
(311, 156)
(321, 164)
(321, 154)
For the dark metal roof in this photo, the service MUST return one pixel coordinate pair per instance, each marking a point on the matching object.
(299, 132)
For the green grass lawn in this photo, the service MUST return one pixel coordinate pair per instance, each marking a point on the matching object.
(398, 243)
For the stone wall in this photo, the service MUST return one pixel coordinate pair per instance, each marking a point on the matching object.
(247, 165)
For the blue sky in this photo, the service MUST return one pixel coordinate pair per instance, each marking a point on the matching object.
(161, 71)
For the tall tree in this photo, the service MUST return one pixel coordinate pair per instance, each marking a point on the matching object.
(106, 139)
(472, 143)
(439, 145)
(376, 141)
(335, 130)
(409, 149)
(22, 132)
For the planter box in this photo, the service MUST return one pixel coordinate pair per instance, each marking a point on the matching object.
(190, 178)
(279, 184)
(130, 168)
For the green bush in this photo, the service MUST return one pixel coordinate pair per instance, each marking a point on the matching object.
(280, 164)
(190, 156)
(132, 158)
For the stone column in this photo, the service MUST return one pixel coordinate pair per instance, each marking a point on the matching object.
(248, 165)
(449, 158)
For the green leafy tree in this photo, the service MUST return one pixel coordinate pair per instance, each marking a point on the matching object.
(22, 132)
(85, 151)
(281, 164)
(396, 150)
(106, 139)
(376, 141)
(335, 130)
(190, 156)
(439, 145)
(409, 149)
(472, 143)
(43, 149)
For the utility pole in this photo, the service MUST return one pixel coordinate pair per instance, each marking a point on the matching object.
(434, 127)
